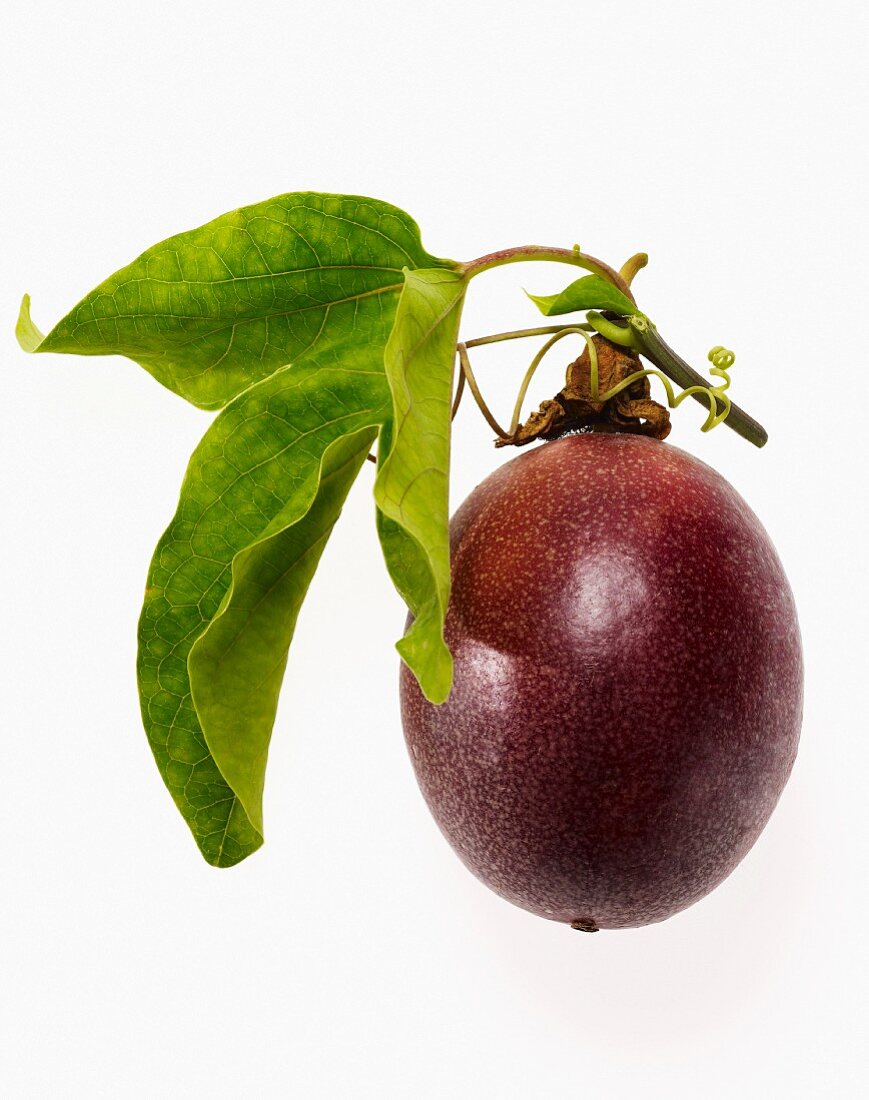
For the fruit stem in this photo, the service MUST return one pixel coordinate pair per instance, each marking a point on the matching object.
(524, 252)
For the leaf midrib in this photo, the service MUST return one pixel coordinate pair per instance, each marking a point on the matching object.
(253, 278)
(239, 321)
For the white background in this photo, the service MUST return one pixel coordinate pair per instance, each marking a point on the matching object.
(354, 956)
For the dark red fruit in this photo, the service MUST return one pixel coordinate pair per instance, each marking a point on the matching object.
(628, 682)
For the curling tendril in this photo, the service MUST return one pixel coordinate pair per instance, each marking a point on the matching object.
(719, 403)
(716, 397)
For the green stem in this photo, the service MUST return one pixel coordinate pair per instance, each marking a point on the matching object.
(519, 333)
(641, 334)
(539, 252)
(650, 344)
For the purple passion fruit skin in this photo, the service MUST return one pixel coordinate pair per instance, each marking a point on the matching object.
(628, 682)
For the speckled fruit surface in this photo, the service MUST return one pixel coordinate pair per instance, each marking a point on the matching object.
(628, 682)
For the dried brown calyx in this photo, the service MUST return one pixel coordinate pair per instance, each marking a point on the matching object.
(631, 410)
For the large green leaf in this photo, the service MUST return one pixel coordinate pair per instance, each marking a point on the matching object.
(589, 292)
(412, 486)
(283, 312)
(261, 493)
(213, 310)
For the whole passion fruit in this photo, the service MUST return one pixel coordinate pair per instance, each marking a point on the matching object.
(628, 682)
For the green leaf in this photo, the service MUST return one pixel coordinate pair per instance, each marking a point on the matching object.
(260, 496)
(237, 665)
(213, 310)
(412, 486)
(282, 312)
(589, 292)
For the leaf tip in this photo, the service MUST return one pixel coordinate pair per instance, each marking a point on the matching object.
(542, 301)
(229, 855)
(432, 667)
(438, 695)
(28, 335)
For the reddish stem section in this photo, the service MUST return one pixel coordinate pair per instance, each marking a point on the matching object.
(541, 252)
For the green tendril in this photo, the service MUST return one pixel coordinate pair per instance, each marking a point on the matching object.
(715, 397)
(535, 363)
(719, 402)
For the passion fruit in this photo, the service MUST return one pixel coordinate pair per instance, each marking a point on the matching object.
(628, 681)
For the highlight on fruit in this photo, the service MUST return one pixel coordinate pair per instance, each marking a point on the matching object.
(601, 669)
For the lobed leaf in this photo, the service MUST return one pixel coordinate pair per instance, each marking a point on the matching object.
(319, 321)
(260, 496)
(412, 486)
(589, 292)
(213, 310)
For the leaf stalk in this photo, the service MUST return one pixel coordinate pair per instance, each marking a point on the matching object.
(521, 253)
